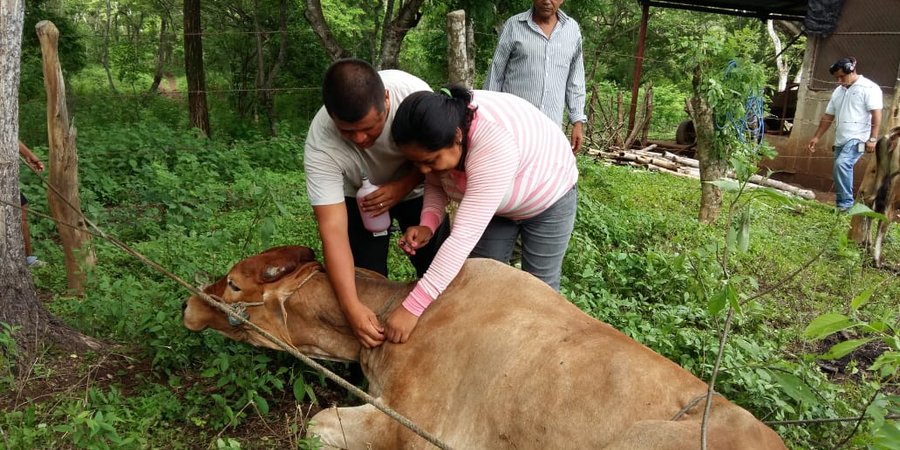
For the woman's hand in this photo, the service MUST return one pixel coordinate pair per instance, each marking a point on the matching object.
(414, 238)
(400, 325)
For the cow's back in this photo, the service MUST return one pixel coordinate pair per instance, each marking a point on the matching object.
(500, 360)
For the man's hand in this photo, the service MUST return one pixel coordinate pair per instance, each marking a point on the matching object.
(382, 200)
(577, 136)
(365, 325)
(30, 158)
(391, 193)
(414, 238)
(812, 144)
(870, 146)
(400, 325)
(35, 164)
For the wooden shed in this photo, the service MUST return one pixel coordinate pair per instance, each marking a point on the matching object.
(868, 30)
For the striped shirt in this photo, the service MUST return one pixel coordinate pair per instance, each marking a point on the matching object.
(548, 72)
(518, 164)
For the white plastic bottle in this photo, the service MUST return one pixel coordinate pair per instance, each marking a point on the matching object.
(379, 224)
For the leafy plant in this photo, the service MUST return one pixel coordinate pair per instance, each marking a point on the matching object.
(8, 354)
(883, 329)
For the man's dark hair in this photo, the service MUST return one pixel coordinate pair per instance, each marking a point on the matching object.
(847, 65)
(350, 90)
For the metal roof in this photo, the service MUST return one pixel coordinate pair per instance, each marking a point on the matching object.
(763, 9)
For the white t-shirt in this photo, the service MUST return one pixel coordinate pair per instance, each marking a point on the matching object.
(335, 166)
(851, 108)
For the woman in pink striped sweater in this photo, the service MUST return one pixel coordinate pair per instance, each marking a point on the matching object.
(513, 173)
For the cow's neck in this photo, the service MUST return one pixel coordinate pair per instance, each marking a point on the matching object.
(323, 323)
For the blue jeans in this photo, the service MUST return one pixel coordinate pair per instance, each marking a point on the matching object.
(545, 238)
(845, 157)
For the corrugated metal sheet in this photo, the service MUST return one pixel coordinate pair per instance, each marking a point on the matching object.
(868, 30)
(764, 9)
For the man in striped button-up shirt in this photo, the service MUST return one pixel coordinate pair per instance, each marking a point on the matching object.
(539, 58)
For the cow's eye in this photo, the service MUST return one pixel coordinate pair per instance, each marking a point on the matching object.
(233, 286)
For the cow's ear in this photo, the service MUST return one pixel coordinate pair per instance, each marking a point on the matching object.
(276, 272)
(304, 254)
(284, 260)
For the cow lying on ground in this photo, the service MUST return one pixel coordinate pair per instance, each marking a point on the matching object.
(880, 191)
(499, 361)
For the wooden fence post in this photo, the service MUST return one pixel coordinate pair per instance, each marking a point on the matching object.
(63, 197)
(457, 58)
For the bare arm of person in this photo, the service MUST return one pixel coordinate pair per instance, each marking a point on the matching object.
(824, 124)
(876, 126)
(33, 161)
(332, 222)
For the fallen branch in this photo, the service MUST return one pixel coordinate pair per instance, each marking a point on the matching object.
(689, 166)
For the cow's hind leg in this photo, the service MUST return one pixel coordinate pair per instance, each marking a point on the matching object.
(349, 428)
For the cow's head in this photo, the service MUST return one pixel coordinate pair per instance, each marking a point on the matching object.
(257, 284)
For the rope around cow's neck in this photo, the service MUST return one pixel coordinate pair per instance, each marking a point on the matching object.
(388, 305)
(236, 314)
(312, 363)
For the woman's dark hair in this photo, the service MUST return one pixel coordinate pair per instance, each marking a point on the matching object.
(430, 119)
(351, 88)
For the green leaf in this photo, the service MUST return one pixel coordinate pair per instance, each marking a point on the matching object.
(299, 388)
(887, 436)
(771, 194)
(795, 388)
(862, 298)
(858, 209)
(887, 364)
(732, 296)
(717, 302)
(826, 324)
(262, 404)
(843, 348)
(726, 184)
(266, 231)
(743, 242)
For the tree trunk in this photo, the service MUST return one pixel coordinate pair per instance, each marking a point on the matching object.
(19, 304)
(457, 58)
(386, 23)
(407, 19)
(193, 67)
(779, 58)
(316, 20)
(63, 198)
(470, 49)
(265, 78)
(105, 59)
(161, 53)
(391, 35)
(269, 85)
(712, 164)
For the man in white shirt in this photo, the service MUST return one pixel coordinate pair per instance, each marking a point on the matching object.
(350, 138)
(855, 108)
